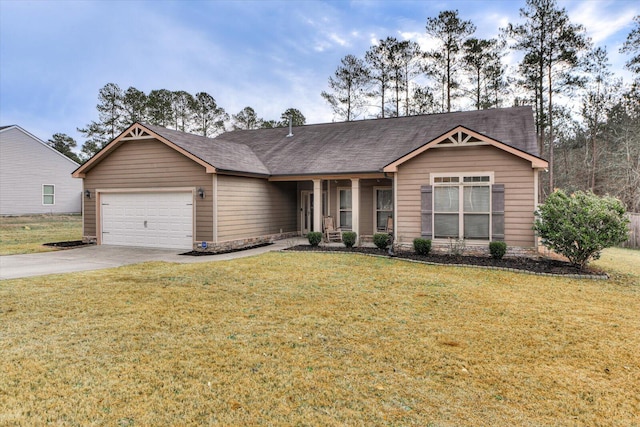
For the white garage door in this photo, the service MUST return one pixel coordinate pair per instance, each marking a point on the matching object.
(158, 220)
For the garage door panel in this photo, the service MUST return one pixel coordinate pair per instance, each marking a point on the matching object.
(162, 219)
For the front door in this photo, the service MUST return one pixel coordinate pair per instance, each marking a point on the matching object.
(306, 211)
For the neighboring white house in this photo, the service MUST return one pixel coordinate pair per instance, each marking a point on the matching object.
(35, 178)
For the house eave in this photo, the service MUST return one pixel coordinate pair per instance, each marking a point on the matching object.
(327, 176)
(536, 162)
(136, 132)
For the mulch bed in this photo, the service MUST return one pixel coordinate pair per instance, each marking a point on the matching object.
(533, 265)
(226, 251)
(67, 245)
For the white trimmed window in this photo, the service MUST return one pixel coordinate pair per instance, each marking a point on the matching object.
(462, 206)
(344, 217)
(383, 199)
(48, 194)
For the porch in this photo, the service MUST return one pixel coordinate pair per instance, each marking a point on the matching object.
(359, 204)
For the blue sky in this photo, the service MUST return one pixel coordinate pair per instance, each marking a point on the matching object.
(270, 55)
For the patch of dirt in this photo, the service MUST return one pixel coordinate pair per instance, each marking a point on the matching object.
(534, 265)
(226, 251)
(67, 245)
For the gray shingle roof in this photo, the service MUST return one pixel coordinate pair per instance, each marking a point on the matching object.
(221, 154)
(358, 146)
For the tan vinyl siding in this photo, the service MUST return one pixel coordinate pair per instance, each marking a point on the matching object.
(516, 174)
(150, 164)
(252, 207)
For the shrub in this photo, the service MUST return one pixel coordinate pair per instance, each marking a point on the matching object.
(457, 247)
(381, 240)
(497, 249)
(422, 246)
(580, 225)
(315, 237)
(349, 238)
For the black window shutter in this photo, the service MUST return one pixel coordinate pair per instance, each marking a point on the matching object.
(497, 214)
(426, 211)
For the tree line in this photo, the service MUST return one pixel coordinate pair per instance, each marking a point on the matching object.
(591, 143)
(199, 114)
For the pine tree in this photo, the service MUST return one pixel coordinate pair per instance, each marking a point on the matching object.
(209, 119)
(246, 119)
(551, 45)
(348, 88)
(64, 144)
(159, 107)
(293, 114)
(378, 59)
(451, 32)
(182, 104)
(135, 106)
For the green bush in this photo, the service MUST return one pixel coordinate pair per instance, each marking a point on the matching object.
(349, 238)
(422, 246)
(497, 249)
(581, 225)
(381, 240)
(315, 237)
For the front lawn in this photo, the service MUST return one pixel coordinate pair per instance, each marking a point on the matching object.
(27, 234)
(321, 339)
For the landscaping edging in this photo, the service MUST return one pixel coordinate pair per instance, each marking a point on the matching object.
(594, 276)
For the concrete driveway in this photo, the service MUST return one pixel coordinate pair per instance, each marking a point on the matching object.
(98, 257)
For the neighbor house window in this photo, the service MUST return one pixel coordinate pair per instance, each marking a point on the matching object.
(384, 207)
(462, 207)
(48, 194)
(344, 194)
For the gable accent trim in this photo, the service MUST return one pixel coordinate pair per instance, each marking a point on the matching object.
(461, 136)
(136, 132)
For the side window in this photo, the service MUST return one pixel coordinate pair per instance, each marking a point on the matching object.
(48, 194)
(384, 207)
(345, 208)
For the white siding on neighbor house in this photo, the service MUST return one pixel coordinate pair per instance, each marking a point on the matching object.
(26, 164)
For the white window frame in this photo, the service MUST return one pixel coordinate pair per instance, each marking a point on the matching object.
(375, 207)
(461, 184)
(53, 194)
(350, 210)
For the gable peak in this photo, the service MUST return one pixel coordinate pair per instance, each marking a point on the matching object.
(459, 136)
(136, 132)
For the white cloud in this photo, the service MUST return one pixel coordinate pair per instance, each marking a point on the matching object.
(603, 22)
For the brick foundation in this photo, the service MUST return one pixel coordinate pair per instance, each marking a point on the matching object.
(243, 243)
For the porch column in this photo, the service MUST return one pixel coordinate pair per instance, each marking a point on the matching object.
(317, 205)
(355, 206)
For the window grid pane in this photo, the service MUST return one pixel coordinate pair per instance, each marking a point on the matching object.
(345, 199)
(477, 199)
(384, 200)
(446, 225)
(476, 226)
(47, 189)
(446, 199)
(381, 218)
(345, 220)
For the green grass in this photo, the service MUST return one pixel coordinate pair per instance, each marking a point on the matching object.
(321, 339)
(27, 234)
